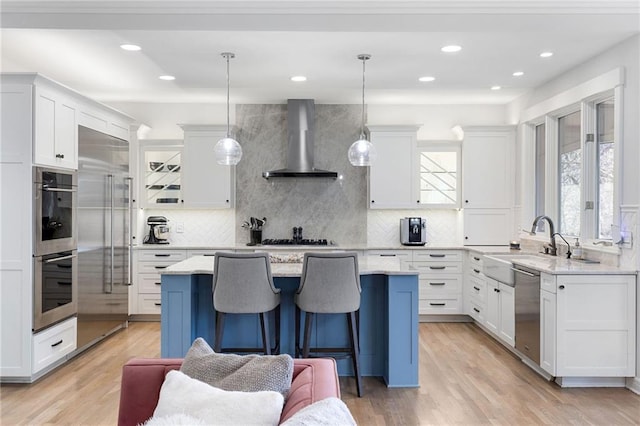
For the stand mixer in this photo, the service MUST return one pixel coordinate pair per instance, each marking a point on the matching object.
(158, 230)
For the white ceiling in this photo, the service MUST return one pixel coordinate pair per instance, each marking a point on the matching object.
(77, 44)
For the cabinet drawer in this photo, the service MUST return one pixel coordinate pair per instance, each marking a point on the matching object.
(440, 306)
(163, 255)
(476, 271)
(476, 312)
(548, 283)
(477, 290)
(437, 256)
(475, 261)
(440, 285)
(54, 343)
(153, 267)
(149, 283)
(433, 268)
(149, 304)
(405, 256)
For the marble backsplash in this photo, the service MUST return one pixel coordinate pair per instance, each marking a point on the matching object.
(324, 208)
(444, 227)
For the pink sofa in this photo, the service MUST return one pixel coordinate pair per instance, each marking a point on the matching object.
(313, 380)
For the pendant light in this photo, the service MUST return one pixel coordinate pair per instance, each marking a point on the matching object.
(362, 152)
(228, 151)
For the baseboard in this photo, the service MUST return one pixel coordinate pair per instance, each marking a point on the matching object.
(445, 318)
(144, 317)
(591, 382)
(633, 384)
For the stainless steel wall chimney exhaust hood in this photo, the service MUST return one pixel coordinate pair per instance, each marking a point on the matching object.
(300, 142)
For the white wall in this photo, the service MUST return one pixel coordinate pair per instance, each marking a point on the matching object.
(437, 120)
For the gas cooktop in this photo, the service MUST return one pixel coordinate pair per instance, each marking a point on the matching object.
(292, 242)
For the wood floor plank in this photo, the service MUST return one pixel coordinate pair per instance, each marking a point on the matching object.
(466, 378)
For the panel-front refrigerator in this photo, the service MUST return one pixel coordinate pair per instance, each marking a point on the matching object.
(104, 235)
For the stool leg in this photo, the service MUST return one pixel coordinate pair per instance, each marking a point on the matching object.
(217, 347)
(355, 349)
(277, 321)
(264, 323)
(308, 318)
(297, 332)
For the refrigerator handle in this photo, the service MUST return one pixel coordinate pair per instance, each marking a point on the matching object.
(111, 247)
(129, 280)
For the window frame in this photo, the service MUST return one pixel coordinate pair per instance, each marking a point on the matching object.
(589, 172)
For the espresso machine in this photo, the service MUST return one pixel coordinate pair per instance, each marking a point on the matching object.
(158, 230)
(413, 231)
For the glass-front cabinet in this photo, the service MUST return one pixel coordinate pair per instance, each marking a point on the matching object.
(161, 173)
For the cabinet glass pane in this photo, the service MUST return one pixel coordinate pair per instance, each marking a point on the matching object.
(605, 160)
(162, 177)
(439, 177)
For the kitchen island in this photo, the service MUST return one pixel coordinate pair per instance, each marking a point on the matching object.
(388, 316)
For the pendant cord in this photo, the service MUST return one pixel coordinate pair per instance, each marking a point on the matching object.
(362, 128)
(228, 132)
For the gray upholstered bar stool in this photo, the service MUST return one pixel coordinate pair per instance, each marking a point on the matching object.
(242, 284)
(330, 284)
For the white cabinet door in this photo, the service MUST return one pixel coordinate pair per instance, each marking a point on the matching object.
(56, 130)
(487, 227)
(487, 164)
(548, 332)
(596, 325)
(507, 324)
(492, 314)
(206, 184)
(392, 177)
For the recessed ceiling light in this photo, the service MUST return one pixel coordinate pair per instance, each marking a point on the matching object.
(298, 78)
(451, 48)
(518, 74)
(496, 87)
(167, 77)
(426, 78)
(130, 47)
(546, 54)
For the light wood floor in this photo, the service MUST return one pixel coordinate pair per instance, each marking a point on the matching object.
(466, 378)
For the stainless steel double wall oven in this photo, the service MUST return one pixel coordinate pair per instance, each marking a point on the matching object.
(55, 246)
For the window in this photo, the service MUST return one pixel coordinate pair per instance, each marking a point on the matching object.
(570, 170)
(439, 174)
(604, 166)
(540, 140)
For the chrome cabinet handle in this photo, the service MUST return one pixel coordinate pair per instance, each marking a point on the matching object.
(57, 259)
(112, 248)
(129, 280)
(523, 272)
(47, 189)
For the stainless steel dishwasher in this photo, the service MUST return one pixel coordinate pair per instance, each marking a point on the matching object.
(527, 307)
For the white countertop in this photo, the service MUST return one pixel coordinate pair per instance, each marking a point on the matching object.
(482, 249)
(368, 265)
(561, 266)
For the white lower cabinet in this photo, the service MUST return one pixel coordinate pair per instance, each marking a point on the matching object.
(54, 343)
(149, 267)
(440, 281)
(500, 312)
(548, 328)
(596, 325)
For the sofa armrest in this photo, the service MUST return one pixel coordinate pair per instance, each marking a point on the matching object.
(314, 379)
(140, 388)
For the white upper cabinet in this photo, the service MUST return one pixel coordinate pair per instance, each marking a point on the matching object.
(488, 184)
(393, 177)
(56, 129)
(205, 183)
(488, 156)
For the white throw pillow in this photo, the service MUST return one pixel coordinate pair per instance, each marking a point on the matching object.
(326, 412)
(180, 394)
(174, 420)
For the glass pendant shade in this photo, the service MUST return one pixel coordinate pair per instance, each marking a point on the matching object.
(362, 153)
(228, 152)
